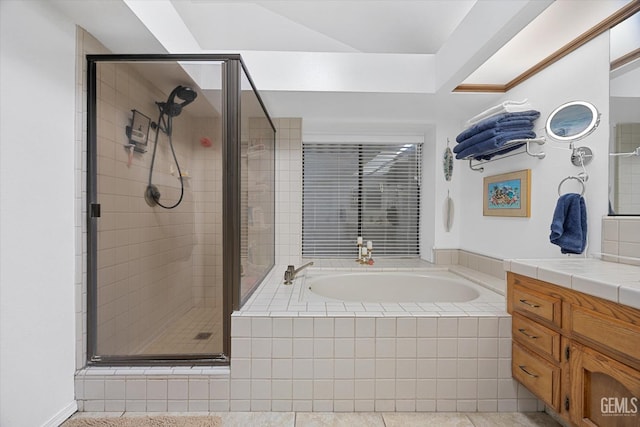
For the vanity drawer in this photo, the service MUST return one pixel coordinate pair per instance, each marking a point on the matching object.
(539, 376)
(536, 337)
(611, 333)
(544, 306)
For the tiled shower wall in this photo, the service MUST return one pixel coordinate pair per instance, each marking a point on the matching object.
(144, 266)
(621, 237)
(288, 190)
(628, 168)
(621, 234)
(206, 185)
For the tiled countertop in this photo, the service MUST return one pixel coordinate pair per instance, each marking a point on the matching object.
(608, 280)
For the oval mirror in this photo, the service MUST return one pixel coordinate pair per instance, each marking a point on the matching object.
(572, 121)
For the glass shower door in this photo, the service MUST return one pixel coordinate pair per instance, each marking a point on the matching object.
(158, 186)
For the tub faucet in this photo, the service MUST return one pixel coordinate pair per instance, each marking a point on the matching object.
(291, 272)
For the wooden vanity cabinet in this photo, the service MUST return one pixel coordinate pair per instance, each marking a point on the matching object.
(604, 392)
(578, 353)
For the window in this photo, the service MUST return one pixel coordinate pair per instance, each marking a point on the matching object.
(353, 189)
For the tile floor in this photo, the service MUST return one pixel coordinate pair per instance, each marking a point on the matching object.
(363, 419)
(179, 338)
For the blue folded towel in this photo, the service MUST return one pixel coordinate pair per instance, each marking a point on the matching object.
(494, 143)
(490, 122)
(513, 126)
(569, 225)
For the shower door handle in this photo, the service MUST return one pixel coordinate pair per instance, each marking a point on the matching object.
(94, 210)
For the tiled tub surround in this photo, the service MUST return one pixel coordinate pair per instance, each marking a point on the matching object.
(486, 265)
(273, 298)
(341, 357)
(289, 355)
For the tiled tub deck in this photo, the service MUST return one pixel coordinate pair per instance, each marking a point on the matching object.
(288, 355)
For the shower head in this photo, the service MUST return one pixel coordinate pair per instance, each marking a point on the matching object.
(186, 94)
(173, 109)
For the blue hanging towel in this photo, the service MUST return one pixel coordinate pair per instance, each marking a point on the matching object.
(569, 225)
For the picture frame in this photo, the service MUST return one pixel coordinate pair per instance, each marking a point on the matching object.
(508, 194)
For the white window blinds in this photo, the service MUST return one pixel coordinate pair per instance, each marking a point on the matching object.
(368, 190)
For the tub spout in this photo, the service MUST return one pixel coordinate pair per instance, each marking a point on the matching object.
(298, 270)
(291, 272)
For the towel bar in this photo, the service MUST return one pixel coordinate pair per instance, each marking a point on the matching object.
(525, 142)
(577, 178)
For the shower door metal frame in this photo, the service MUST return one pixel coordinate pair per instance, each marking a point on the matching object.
(232, 65)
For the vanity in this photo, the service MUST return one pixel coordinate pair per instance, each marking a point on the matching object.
(576, 337)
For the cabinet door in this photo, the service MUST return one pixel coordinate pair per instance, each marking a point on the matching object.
(604, 392)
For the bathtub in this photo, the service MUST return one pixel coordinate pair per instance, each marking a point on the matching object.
(393, 287)
(347, 355)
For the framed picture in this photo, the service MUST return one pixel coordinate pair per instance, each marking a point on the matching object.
(508, 194)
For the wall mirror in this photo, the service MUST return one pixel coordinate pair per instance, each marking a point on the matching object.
(624, 111)
(572, 121)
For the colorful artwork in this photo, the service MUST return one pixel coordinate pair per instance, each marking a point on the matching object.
(505, 194)
(508, 194)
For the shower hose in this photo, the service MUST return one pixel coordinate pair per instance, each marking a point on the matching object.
(165, 124)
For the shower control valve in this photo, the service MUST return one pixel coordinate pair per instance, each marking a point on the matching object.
(152, 195)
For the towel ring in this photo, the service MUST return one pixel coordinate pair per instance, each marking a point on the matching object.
(580, 180)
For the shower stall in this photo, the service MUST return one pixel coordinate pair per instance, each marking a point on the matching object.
(180, 205)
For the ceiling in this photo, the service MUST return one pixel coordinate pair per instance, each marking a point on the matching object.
(555, 27)
(397, 26)
(338, 64)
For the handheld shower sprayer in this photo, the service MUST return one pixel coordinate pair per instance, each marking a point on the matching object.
(168, 110)
(173, 109)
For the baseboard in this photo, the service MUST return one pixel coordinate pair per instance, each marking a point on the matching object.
(62, 415)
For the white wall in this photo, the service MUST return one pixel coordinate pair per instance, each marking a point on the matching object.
(37, 60)
(625, 84)
(582, 75)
